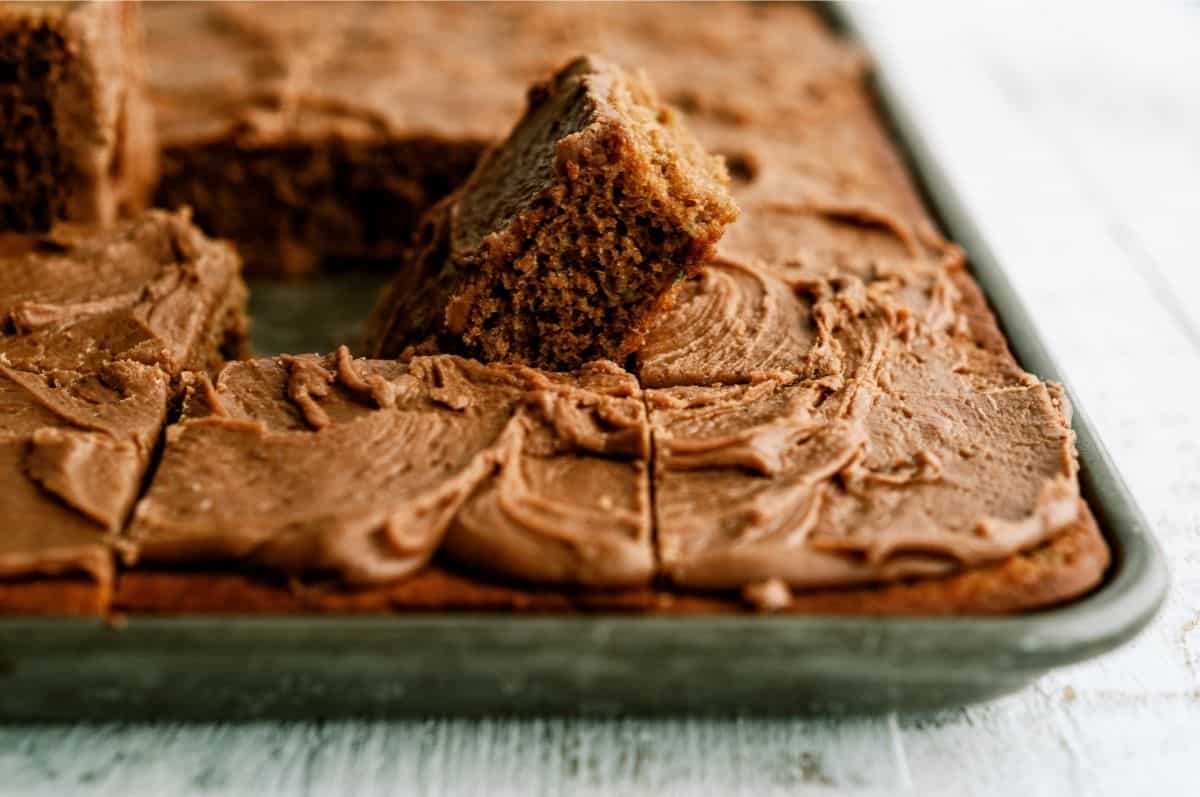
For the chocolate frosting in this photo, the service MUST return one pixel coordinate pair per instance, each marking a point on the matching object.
(371, 70)
(289, 464)
(571, 500)
(897, 449)
(145, 290)
(733, 322)
(358, 467)
(73, 452)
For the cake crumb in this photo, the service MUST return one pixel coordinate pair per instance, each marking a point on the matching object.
(117, 621)
(771, 595)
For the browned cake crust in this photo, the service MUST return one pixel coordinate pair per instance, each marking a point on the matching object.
(1062, 570)
(77, 140)
(68, 596)
(566, 241)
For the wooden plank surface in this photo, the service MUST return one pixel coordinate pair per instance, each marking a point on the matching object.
(1074, 138)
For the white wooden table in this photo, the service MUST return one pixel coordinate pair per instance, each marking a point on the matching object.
(1074, 137)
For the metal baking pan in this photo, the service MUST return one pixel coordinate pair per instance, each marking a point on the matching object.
(475, 664)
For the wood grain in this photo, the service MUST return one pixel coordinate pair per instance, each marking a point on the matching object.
(1074, 139)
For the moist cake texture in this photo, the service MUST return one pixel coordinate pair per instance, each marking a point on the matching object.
(77, 137)
(357, 468)
(566, 241)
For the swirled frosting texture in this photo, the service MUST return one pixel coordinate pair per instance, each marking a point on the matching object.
(570, 502)
(880, 442)
(357, 468)
(73, 451)
(733, 322)
(152, 289)
(291, 465)
(97, 325)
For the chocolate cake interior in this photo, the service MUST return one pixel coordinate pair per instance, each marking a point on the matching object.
(77, 140)
(32, 63)
(567, 240)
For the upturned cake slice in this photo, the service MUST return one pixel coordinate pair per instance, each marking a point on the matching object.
(77, 138)
(569, 237)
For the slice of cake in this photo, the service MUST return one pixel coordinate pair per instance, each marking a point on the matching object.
(568, 238)
(570, 501)
(152, 290)
(915, 454)
(74, 449)
(98, 328)
(77, 137)
(311, 465)
(356, 469)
